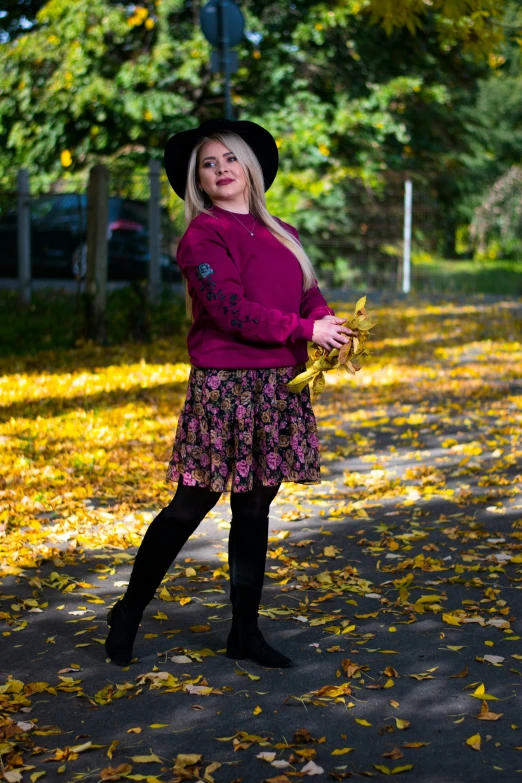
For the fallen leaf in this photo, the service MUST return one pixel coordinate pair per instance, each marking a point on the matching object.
(394, 754)
(267, 755)
(152, 758)
(463, 673)
(474, 742)
(311, 768)
(116, 773)
(493, 658)
(485, 714)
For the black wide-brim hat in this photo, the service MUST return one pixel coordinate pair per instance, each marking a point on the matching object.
(179, 147)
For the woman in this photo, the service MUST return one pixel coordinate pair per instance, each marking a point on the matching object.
(255, 303)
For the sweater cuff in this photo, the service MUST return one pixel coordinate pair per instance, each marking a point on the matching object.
(320, 312)
(304, 330)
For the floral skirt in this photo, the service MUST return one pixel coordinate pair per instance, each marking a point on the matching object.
(243, 428)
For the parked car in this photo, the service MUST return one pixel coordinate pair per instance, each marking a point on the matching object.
(58, 239)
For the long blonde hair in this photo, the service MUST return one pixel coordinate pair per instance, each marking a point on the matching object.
(197, 201)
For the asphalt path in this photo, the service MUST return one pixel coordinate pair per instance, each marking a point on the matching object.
(387, 601)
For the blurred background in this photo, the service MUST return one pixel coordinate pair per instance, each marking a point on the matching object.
(398, 126)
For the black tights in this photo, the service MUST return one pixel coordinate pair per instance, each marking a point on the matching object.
(168, 532)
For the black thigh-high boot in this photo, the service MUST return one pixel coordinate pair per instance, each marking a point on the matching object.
(247, 548)
(165, 536)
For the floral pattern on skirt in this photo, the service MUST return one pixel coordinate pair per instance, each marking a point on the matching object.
(243, 428)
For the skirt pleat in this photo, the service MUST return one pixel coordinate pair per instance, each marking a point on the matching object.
(243, 428)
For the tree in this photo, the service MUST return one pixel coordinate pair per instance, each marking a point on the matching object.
(349, 89)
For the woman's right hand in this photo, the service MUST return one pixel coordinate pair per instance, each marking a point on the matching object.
(331, 333)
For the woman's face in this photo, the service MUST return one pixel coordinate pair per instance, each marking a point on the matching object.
(217, 163)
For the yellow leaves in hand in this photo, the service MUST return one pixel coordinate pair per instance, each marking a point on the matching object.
(347, 357)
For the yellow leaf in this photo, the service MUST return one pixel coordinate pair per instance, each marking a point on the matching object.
(257, 710)
(401, 723)
(158, 725)
(318, 384)
(403, 768)
(415, 744)
(362, 722)
(474, 742)
(112, 747)
(137, 730)
(185, 600)
(147, 759)
(160, 616)
(480, 693)
(341, 751)
(360, 304)
(199, 628)
(35, 776)
(186, 760)
(450, 619)
(392, 629)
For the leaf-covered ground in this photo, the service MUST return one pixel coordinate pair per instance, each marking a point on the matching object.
(394, 585)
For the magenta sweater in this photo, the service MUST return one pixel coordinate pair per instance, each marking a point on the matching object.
(247, 300)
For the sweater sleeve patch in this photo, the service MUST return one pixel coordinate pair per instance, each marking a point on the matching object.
(204, 270)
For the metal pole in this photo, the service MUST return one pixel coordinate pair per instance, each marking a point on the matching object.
(406, 258)
(225, 54)
(24, 237)
(154, 231)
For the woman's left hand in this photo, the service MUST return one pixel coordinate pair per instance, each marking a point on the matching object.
(337, 320)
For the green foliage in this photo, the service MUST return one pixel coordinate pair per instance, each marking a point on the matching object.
(496, 228)
(349, 89)
(55, 320)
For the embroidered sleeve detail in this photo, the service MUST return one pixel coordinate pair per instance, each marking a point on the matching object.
(212, 295)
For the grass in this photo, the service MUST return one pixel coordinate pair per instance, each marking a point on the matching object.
(55, 320)
(467, 277)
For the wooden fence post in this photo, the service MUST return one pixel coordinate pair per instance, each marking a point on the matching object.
(97, 237)
(154, 231)
(24, 237)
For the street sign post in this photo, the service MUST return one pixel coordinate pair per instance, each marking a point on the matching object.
(222, 24)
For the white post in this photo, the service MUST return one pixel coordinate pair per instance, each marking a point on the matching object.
(154, 231)
(24, 237)
(406, 257)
